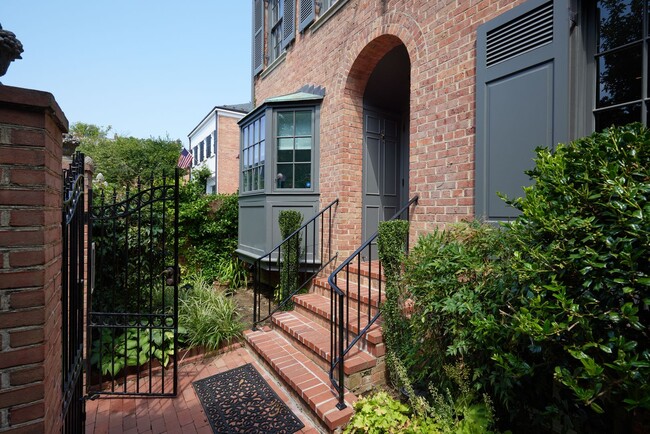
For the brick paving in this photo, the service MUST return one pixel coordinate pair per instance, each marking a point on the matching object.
(183, 414)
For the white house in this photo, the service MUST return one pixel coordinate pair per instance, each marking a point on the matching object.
(214, 143)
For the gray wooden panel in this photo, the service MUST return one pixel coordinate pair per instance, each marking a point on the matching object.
(391, 168)
(520, 115)
(372, 169)
(522, 98)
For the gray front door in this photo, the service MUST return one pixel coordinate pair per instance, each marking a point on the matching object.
(381, 170)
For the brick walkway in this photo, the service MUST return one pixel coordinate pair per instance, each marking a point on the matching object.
(183, 414)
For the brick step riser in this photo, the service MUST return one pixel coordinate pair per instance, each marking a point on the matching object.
(365, 274)
(319, 359)
(376, 349)
(353, 299)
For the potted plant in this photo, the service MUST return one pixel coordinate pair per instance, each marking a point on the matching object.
(10, 49)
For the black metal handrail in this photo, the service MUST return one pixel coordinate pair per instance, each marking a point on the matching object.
(341, 338)
(318, 255)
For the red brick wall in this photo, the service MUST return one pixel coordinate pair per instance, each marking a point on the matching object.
(440, 37)
(228, 150)
(31, 126)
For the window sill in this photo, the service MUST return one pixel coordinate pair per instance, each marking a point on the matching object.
(269, 69)
(322, 19)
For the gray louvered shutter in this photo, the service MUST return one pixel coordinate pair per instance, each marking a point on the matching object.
(522, 98)
(307, 13)
(288, 22)
(258, 36)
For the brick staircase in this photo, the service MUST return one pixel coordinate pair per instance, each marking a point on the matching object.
(297, 346)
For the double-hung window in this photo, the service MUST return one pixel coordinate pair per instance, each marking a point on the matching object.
(253, 155)
(294, 144)
(276, 14)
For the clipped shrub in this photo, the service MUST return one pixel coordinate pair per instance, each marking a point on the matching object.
(289, 222)
(583, 256)
(391, 245)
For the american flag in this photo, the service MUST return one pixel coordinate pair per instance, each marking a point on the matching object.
(185, 159)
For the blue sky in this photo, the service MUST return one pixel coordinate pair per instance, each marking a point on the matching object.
(148, 68)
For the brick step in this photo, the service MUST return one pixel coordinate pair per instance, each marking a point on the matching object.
(318, 308)
(367, 297)
(305, 377)
(315, 339)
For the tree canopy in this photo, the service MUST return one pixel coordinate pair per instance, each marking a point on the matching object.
(122, 159)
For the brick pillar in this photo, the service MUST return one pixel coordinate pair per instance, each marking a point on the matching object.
(31, 127)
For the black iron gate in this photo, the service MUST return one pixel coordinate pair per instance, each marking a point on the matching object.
(72, 295)
(133, 297)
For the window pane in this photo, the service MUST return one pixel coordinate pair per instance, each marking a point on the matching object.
(246, 184)
(262, 153)
(285, 124)
(254, 185)
(261, 177)
(619, 23)
(244, 134)
(303, 123)
(284, 177)
(256, 154)
(262, 128)
(619, 76)
(303, 176)
(618, 116)
(245, 158)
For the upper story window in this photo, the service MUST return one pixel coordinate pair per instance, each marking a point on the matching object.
(620, 55)
(294, 139)
(253, 155)
(276, 14)
(196, 155)
(201, 150)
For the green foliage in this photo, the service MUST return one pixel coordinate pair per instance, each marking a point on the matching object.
(289, 222)
(391, 244)
(122, 159)
(460, 280)
(115, 349)
(209, 318)
(445, 414)
(378, 414)
(582, 252)
(208, 226)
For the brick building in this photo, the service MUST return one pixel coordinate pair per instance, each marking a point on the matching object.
(442, 99)
(214, 143)
(374, 102)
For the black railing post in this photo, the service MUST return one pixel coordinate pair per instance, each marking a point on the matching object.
(339, 323)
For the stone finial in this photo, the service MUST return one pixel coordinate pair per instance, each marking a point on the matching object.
(10, 49)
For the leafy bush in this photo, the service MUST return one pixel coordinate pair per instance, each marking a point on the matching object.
(208, 227)
(209, 318)
(289, 222)
(379, 413)
(582, 253)
(460, 281)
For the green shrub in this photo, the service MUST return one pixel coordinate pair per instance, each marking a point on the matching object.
(208, 226)
(391, 244)
(582, 253)
(377, 414)
(208, 318)
(460, 281)
(289, 222)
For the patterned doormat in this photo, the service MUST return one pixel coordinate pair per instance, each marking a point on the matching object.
(240, 401)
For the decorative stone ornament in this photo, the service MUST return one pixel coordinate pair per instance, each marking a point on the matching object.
(10, 49)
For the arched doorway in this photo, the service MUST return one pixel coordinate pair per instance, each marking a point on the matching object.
(385, 139)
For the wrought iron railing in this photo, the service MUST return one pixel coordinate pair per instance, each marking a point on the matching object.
(342, 323)
(315, 239)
